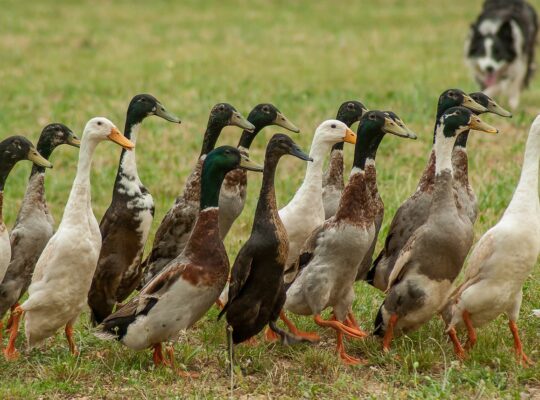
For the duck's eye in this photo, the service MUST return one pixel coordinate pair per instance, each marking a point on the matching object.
(99, 123)
(221, 108)
(265, 109)
(372, 117)
(143, 100)
(350, 106)
(333, 126)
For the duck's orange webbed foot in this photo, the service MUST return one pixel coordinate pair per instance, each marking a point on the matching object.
(10, 353)
(311, 336)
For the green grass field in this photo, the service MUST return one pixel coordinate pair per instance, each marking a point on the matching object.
(68, 62)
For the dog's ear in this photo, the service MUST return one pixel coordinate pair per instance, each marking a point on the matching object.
(505, 33)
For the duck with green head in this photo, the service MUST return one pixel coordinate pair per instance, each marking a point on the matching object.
(175, 228)
(328, 262)
(460, 160)
(127, 222)
(232, 196)
(349, 112)
(186, 288)
(35, 224)
(413, 212)
(257, 292)
(432, 258)
(12, 150)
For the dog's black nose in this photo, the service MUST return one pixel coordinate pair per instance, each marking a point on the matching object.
(490, 69)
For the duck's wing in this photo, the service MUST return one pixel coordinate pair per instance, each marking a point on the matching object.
(402, 263)
(481, 253)
(239, 275)
(118, 322)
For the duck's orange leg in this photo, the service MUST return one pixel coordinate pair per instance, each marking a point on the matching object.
(347, 359)
(389, 334)
(10, 353)
(351, 322)
(471, 341)
(518, 346)
(458, 348)
(10, 319)
(157, 356)
(311, 336)
(270, 335)
(338, 326)
(69, 336)
(219, 304)
(170, 362)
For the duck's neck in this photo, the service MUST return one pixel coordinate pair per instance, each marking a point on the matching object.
(1, 207)
(210, 137)
(443, 194)
(366, 147)
(267, 196)
(526, 193)
(86, 153)
(44, 148)
(314, 170)
(211, 180)
(461, 140)
(355, 200)
(6, 165)
(443, 151)
(128, 163)
(247, 137)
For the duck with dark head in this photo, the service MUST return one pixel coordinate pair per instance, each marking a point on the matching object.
(175, 228)
(433, 256)
(232, 196)
(35, 224)
(127, 222)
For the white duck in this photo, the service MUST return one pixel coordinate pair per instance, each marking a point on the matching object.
(501, 261)
(305, 212)
(64, 271)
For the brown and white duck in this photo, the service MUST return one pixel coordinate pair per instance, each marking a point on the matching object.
(414, 211)
(431, 259)
(187, 287)
(127, 222)
(12, 150)
(232, 196)
(35, 224)
(348, 113)
(173, 232)
(460, 159)
(328, 262)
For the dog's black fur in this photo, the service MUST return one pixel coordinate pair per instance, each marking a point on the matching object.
(500, 64)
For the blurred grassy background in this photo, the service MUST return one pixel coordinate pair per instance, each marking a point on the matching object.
(66, 62)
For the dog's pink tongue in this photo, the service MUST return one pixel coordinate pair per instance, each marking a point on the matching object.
(491, 79)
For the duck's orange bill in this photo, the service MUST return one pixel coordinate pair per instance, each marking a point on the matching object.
(117, 137)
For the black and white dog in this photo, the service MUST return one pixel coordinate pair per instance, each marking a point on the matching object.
(500, 48)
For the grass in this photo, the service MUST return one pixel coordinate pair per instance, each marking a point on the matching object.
(65, 61)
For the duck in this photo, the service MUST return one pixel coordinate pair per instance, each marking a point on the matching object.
(378, 204)
(501, 262)
(12, 150)
(34, 225)
(349, 112)
(413, 212)
(186, 288)
(127, 221)
(232, 196)
(432, 258)
(256, 291)
(460, 162)
(63, 273)
(329, 260)
(175, 228)
(305, 211)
